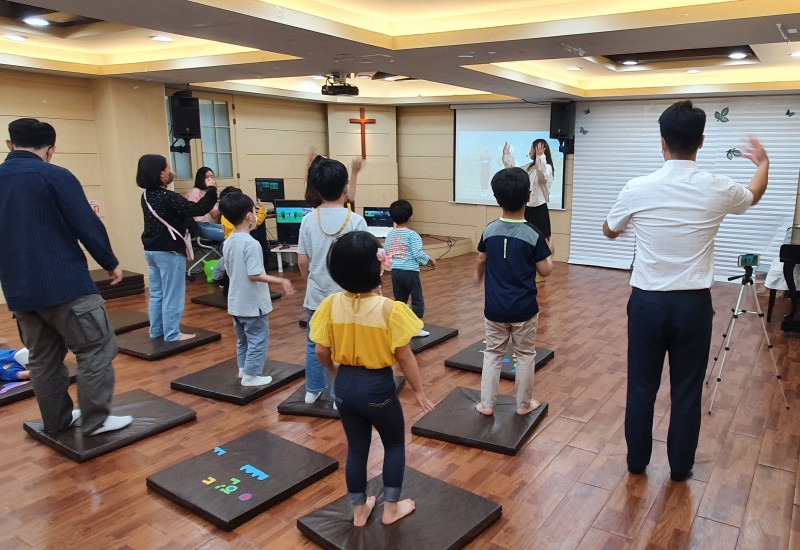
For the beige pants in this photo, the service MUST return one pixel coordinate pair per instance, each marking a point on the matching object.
(523, 341)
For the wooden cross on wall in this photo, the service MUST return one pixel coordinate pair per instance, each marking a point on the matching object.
(363, 121)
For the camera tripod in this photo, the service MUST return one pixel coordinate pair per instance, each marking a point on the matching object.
(747, 281)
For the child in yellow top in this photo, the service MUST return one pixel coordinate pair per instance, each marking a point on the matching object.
(228, 227)
(366, 333)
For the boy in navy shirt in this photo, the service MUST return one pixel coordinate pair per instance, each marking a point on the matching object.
(511, 253)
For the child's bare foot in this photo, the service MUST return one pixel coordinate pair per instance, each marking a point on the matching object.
(395, 511)
(362, 511)
(483, 410)
(532, 406)
(186, 336)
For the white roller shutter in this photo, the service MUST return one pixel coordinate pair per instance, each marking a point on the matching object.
(617, 141)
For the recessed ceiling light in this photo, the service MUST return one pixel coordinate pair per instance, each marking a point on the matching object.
(15, 38)
(574, 68)
(737, 55)
(693, 71)
(630, 62)
(364, 76)
(795, 54)
(34, 21)
(390, 78)
(161, 38)
(466, 56)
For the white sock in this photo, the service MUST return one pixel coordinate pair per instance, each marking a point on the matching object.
(241, 373)
(253, 380)
(113, 423)
(76, 415)
(422, 333)
(312, 396)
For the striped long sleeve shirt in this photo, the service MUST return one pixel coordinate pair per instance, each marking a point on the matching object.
(404, 247)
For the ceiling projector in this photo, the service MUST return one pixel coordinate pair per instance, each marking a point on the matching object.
(339, 89)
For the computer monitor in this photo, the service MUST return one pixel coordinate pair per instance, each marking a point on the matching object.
(269, 189)
(288, 215)
(377, 216)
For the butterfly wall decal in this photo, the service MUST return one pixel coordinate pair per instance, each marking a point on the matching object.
(582, 131)
(733, 153)
(722, 115)
(789, 112)
(586, 111)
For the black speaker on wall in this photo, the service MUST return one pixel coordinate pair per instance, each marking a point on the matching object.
(185, 115)
(562, 120)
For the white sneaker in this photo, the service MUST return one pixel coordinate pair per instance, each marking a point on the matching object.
(422, 334)
(21, 357)
(335, 408)
(253, 380)
(312, 396)
(241, 373)
(113, 423)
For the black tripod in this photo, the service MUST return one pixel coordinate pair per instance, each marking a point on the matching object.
(727, 338)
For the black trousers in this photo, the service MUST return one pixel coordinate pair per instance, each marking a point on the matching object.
(677, 323)
(406, 283)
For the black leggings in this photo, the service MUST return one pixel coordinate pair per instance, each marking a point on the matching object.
(367, 398)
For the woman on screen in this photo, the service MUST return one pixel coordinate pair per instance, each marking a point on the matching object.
(540, 172)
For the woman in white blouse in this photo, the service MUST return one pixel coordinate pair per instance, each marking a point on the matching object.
(540, 172)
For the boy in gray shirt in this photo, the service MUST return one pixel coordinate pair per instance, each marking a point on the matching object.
(249, 301)
(318, 230)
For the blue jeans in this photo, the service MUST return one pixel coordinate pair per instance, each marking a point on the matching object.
(316, 378)
(252, 342)
(167, 276)
(212, 231)
(367, 398)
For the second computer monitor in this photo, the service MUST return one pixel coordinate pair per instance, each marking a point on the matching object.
(377, 216)
(269, 189)
(288, 215)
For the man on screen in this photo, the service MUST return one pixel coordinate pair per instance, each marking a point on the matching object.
(675, 213)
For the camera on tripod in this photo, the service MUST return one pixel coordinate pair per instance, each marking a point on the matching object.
(748, 260)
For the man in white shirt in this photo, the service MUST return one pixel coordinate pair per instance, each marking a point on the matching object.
(675, 213)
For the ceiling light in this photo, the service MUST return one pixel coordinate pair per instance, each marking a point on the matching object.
(34, 21)
(795, 54)
(161, 38)
(737, 55)
(693, 71)
(15, 38)
(630, 62)
(574, 68)
(318, 77)
(364, 76)
(390, 78)
(466, 56)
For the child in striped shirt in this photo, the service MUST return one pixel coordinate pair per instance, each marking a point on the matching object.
(404, 247)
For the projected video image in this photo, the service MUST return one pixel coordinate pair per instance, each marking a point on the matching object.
(479, 155)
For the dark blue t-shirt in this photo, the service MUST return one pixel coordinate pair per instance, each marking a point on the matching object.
(512, 249)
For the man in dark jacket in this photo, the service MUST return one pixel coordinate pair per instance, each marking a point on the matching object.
(46, 280)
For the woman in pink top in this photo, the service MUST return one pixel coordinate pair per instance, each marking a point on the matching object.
(209, 227)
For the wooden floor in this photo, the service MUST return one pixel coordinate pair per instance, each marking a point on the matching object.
(567, 488)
